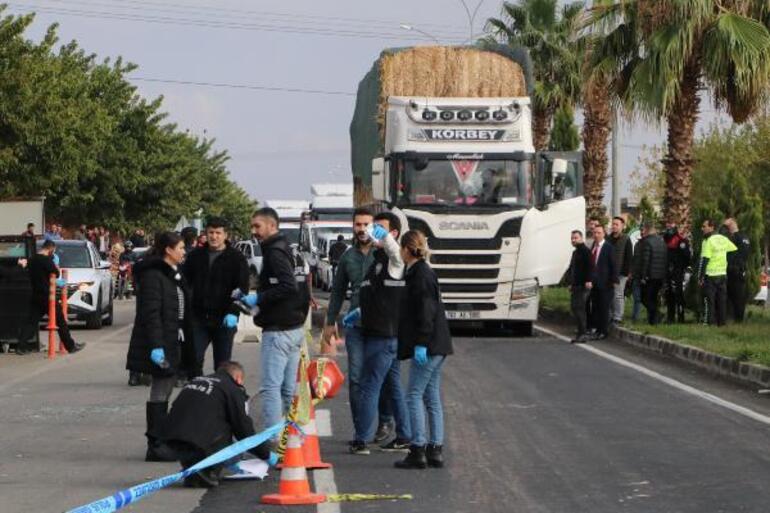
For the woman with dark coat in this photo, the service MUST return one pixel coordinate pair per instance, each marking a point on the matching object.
(423, 337)
(158, 344)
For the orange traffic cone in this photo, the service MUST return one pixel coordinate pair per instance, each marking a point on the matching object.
(325, 378)
(311, 449)
(294, 488)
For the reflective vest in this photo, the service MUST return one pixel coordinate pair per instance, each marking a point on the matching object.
(715, 248)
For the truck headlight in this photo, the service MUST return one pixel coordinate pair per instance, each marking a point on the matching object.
(524, 289)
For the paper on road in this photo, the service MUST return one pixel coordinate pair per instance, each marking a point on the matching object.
(249, 469)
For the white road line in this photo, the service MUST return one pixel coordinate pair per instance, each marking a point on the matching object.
(323, 422)
(664, 379)
(324, 483)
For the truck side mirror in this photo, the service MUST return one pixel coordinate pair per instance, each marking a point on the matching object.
(380, 179)
(558, 175)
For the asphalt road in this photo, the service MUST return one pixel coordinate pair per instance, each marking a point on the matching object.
(533, 425)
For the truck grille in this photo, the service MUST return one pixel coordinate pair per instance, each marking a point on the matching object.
(510, 228)
(481, 274)
(465, 259)
(468, 287)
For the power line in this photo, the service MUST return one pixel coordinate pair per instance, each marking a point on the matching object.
(177, 8)
(244, 86)
(217, 25)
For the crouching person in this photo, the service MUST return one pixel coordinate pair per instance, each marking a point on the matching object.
(208, 413)
(423, 337)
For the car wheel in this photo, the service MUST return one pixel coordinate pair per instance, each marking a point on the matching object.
(94, 321)
(110, 319)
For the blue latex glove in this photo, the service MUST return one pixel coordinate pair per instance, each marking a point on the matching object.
(230, 321)
(61, 283)
(421, 355)
(376, 231)
(272, 460)
(351, 318)
(251, 299)
(56, 260)
(158, 357)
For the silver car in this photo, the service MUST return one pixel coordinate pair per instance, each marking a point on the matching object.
(253, 254)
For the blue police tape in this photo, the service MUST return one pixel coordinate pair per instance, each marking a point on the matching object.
(133, 494)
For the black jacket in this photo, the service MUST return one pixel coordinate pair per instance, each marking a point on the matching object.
(738, 260)
(212, 287)
(336, 251)
(209, 412)
(283, 300)
(422, 320)
(653, 260)
(604, 274)
(40, 268)
(580, 266)
(379, 298)
(679, 254)
(624, 251)
(157, 320)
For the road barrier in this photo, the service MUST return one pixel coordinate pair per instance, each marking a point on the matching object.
(51, 317)
(125, 497)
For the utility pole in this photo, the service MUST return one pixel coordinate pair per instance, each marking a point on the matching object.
(615, 158)
(471, 17)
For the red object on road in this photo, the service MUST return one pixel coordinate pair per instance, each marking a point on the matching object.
(52, 317)
(330, 380)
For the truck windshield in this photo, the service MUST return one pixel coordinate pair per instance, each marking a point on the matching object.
(465, 183)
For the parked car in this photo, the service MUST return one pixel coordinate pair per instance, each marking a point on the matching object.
(761, 297)
(324, 269)
(253, 254)
(310, 237)
(89, 283)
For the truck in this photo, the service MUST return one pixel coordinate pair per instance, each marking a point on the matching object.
(442, 136)
(15, 214)
(331, 201)
(291, 213)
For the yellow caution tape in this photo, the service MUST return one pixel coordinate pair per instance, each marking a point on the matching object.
(355, 497)
(299, 412)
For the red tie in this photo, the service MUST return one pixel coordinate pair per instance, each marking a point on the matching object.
(595, 255)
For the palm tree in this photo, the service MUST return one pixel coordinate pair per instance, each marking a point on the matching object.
(660, 54)
(546, 31)
(597, 120)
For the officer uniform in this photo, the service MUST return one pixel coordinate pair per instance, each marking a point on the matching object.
(679, 255)
(736, 274)
(713, 272)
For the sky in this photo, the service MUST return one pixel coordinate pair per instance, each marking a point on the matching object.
(281, 74)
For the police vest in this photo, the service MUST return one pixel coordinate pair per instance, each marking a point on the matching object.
(380, 295)
(715, 248)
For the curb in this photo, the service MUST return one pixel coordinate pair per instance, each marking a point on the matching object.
(751, 375)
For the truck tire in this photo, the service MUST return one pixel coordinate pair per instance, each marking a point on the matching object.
(522, 329)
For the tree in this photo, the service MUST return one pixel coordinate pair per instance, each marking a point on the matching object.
(597, 119)
(660, 54)
(546, 30)
(564, 136)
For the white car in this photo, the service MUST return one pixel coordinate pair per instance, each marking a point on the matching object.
(89, 283)
(324, 269)
(311, 235)
(253, 254)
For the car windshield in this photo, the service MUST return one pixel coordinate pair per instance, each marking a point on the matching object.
(291, 234)
(330, 232)
(73, 257)
(460, 184)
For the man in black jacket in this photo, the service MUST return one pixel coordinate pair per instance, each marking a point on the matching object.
(679, 256)
(207, 414)
(652, 268)
(579, 271)
(40, 268)
(624, 249)
(283, 301)
(213, 272)
(335, 253)
(736, 269)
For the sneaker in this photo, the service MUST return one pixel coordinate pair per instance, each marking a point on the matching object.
(359, 448)
(133, 379)
(397, 445)
(77, 347)
(384, 431)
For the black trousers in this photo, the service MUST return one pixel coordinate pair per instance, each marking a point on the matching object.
(650, 292)
(578, 299)
(36, 312)
(675, 298)
(736, 295)
(715, 298)
(600, 309)
(220, 337)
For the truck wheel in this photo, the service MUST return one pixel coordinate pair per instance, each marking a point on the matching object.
(522, 329)
(94, 321)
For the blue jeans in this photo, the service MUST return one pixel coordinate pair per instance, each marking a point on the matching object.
(425, 392)
(354, 345)
(380, 365)
(220, 337)
(279, 362)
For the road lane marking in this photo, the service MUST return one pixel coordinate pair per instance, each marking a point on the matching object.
(324, 483)
(323, 422)
(741, 410)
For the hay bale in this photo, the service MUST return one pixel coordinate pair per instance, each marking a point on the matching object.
(445, 71)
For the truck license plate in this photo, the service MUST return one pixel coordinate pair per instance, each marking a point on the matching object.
(462, 315)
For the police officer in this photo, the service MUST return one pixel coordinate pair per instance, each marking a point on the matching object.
(736, 269)
(208, 413)
(712, 272)
(380, 297)
(679, 255)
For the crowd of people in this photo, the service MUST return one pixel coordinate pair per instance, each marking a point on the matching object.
(604, 267)
(190, 297)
